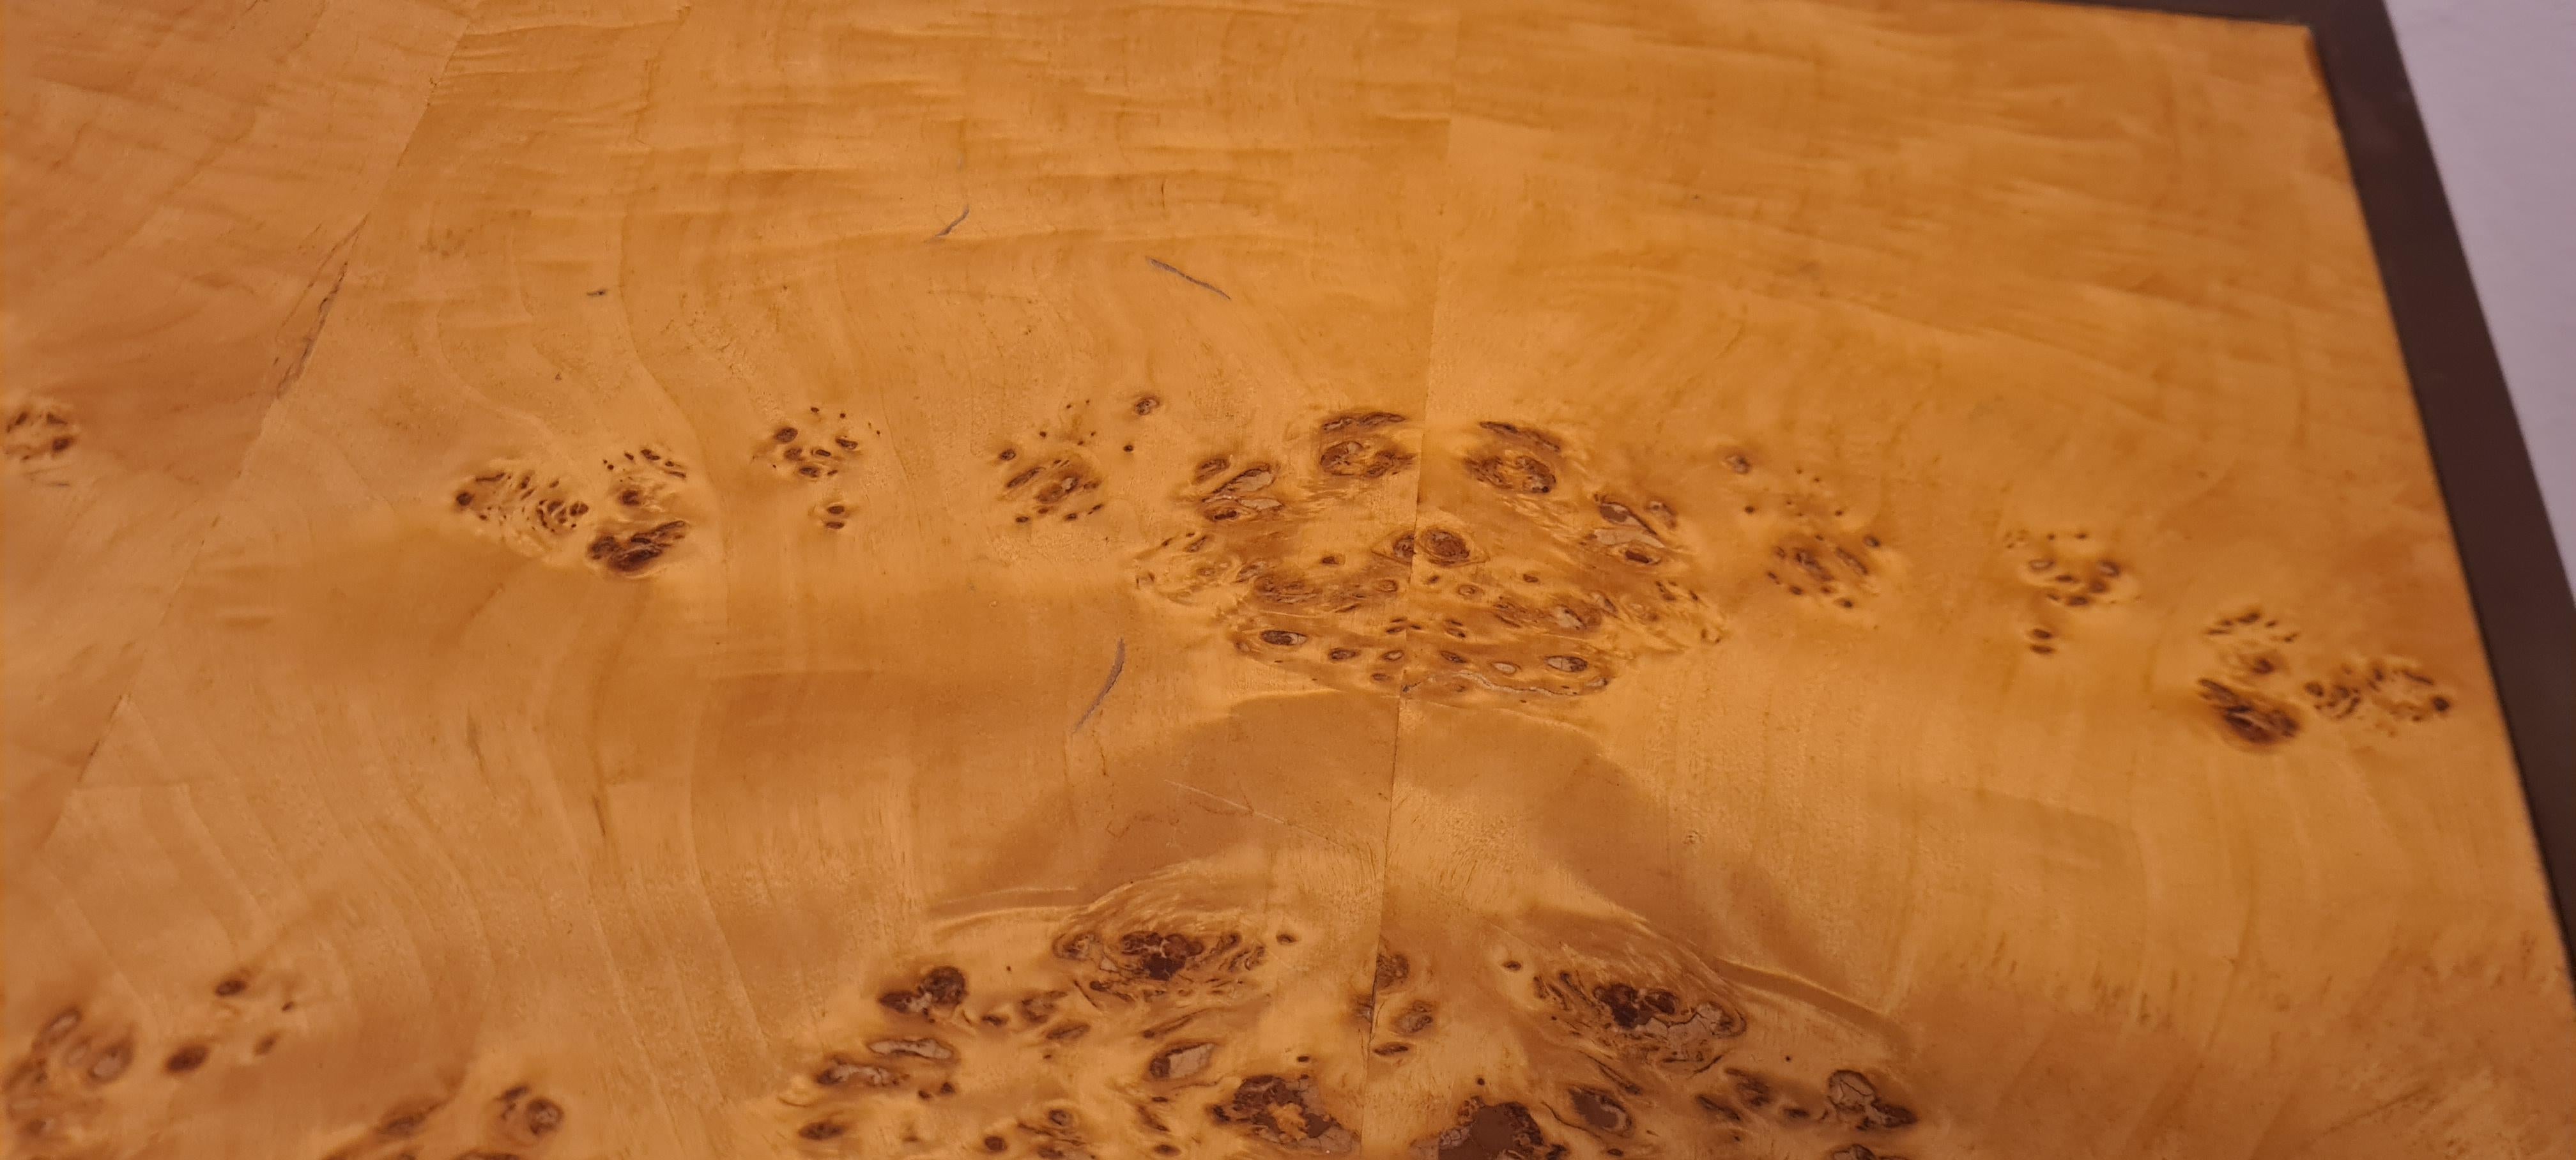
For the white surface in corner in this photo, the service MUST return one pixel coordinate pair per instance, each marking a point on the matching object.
(2496, 81)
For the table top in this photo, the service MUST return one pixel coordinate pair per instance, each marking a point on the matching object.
(1528, 578)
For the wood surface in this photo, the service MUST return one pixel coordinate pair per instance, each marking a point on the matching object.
(1529, 579)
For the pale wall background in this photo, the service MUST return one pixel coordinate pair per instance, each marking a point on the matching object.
(2496, 80)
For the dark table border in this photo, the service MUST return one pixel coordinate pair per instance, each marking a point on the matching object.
(2515, 578)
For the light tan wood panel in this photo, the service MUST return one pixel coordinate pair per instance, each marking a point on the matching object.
(1794, 579)
(184, 184)
(719, 654)
(2093, 756)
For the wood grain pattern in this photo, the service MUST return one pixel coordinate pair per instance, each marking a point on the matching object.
(1801, 579)
(184, 186)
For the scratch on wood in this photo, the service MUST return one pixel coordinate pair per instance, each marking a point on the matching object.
(322, 312)
(1247, 809)
(976, 903)
(1183, 275)
(321, 317)
(1117, 665)
(961, 220)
